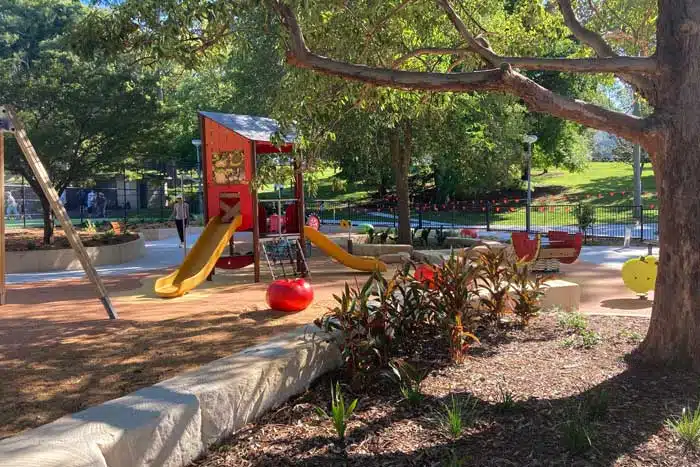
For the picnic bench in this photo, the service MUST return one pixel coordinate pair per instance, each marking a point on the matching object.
(563, 247)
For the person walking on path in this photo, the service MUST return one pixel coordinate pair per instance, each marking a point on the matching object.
(11, 205)
(181, 213)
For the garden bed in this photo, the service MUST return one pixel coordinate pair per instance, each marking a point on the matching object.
(33, 239)
(557, 377)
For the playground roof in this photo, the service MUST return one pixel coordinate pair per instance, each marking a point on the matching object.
(248, 126)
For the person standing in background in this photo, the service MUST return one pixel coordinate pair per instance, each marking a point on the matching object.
(90, 202)
(101, 204)
(11, 205)
(181, 213)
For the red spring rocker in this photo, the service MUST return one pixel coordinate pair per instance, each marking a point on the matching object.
(290, 295)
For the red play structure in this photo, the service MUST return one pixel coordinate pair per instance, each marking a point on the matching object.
(563, 248)
(231, 145)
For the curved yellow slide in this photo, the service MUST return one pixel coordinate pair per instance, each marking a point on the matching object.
(200, 260)
(331, 249)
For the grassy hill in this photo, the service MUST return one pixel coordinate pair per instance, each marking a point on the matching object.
(598, 178)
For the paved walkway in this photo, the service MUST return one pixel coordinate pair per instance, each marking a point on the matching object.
(160, 254)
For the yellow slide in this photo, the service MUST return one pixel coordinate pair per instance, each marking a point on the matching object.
(331, 249)
(200, 260)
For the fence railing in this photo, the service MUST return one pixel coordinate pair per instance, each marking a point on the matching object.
(146, 203)
(640, 222)
(142, 204)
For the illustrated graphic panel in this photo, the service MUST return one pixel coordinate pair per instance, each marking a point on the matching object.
(228, 167)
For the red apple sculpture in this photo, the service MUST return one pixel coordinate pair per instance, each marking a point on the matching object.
(425, 274)
(290, 295)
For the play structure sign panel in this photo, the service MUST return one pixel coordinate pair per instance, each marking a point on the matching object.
(228, 167)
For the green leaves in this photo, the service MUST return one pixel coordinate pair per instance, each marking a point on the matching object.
(340, 414)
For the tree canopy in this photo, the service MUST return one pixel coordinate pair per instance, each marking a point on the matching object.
(84, 116)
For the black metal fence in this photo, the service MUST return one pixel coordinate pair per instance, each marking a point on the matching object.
(133, 201)
(151, 201)
(639, 222)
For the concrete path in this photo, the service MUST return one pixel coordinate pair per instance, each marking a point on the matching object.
(613, 257)
(161, 254)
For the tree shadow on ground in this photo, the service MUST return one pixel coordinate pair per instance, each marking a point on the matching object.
(531, 432)
(52, 367)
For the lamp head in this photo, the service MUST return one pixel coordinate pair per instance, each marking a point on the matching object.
(529, 139)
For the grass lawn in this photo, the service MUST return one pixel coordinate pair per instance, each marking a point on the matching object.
(599, 177)
(354, 191)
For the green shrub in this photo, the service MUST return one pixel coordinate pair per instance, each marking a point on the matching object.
(451, 305)
(457, 415)
(90, 227)
(495, 274)
(573, 322)
(409, 379)
(577, 325)
(340, 413)
(363, 320)
(596, 404)
(371, 233)
(506, 401)
(527, 294)
(590, 339)
(577, 434)
(585, 216)
(384, 236)
(632, 337)
(686, 427)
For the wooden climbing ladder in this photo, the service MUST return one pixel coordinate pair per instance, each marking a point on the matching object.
(10, 122)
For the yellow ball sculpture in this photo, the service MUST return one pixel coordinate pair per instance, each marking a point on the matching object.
(639, 274)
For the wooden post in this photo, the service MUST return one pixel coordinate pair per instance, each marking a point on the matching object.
(256, 227)
(3, 287)
(59, 210)
(299, 195)
(204, 177)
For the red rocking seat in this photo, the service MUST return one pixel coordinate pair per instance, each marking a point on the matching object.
(563, 248)
(526, 249)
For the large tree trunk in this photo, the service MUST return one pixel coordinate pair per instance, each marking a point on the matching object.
(401, 161)
(48, 220)
(674, 334)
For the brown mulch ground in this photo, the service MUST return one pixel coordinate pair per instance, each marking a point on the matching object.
(59, 354)
(33, 239)
(548, 381)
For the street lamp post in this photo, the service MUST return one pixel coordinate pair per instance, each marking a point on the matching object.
(197, 144)
(529, 139)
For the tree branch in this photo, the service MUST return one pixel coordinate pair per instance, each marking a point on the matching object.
(503, 79)
(631, 69)
(643, 84)
(581, 65)
(480, 47)
(588, 37)
(429, 51)
(540, 99)
(410, 80)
